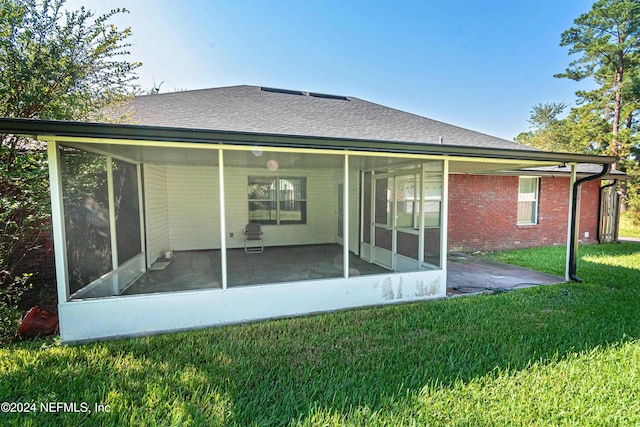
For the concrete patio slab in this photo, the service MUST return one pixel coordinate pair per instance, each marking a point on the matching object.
(201, 269)
(471, 274)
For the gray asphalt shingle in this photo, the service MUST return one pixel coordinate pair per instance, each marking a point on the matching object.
(252, 109)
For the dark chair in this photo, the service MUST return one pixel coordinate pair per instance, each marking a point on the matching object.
(253, 238)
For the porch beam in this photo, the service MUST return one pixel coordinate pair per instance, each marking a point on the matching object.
(223, 226)
(392, 221)
(345, 218)
(112, 225)
(458, 154)
(572, 183)
(57, 220)
(444, 221)
(141, 215)
(361, 213)
(421, 213)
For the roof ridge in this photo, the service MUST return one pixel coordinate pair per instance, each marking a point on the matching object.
(194, 90)
(441, 122)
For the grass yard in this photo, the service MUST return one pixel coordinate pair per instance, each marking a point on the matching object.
(627, 228)
(565, 354)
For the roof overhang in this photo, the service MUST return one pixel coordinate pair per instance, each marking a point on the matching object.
(157, 135)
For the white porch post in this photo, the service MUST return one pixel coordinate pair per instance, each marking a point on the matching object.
(421, 213)
(572, 182)
(372, 209)
(141, 214)
(223, 227)
(393, 213)
(57, 220)
(444, 221)
(345, 218)
(361, 209)
(112, 225)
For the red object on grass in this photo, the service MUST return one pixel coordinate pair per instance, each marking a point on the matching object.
(38, 322)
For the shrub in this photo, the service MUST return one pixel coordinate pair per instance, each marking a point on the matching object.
(24, 219)
(10, 314)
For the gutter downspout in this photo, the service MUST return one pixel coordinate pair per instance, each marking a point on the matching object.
(615, 181)
(573, 241)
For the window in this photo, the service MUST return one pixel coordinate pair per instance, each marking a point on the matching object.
(277, 200)
(528, 200)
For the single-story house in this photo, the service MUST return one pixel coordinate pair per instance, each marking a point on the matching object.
(357, 205)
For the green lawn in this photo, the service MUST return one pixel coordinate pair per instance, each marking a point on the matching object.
(565, 354)
(627, 228)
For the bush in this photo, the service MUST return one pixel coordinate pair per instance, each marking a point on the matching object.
(24, 220)
(10, 313)
(633, 209)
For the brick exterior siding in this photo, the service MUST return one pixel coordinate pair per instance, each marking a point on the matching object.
(483, 213)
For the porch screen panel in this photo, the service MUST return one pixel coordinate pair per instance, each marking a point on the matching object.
(432, 245)
(86, 215)
(407, 245)
(432, 211)
(127, 210)
(383, 213)
(407, 201)
(340, 210)
(382, 202)
(366, 207)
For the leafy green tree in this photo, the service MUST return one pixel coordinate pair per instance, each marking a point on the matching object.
(548, 130)
(54, 64)
(606, 45)
(580, 132)
(607, 40)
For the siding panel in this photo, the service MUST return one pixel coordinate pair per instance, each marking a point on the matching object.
(193, 207)
(321, 224)
(156, 211)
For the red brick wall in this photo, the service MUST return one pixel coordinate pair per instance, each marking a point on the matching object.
(483, 213)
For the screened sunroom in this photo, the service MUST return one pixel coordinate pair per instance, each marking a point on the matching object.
(153, 224)
(119, 225)
(149, 220)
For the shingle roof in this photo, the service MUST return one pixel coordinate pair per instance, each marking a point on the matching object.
(283, 112)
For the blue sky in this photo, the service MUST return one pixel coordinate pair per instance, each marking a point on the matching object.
(481, 65)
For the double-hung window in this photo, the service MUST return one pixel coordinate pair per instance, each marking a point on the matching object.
(528, 200)
(277, 200)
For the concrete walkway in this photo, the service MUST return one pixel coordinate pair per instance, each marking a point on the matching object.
(467, 274)
(629, 239)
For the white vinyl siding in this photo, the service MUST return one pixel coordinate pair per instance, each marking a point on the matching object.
(321, 209)
(193, 207)
(156, 211)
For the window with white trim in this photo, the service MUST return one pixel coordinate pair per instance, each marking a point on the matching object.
(277, 200)
(528, 200)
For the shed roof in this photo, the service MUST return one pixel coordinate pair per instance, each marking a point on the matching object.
(287, 112)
